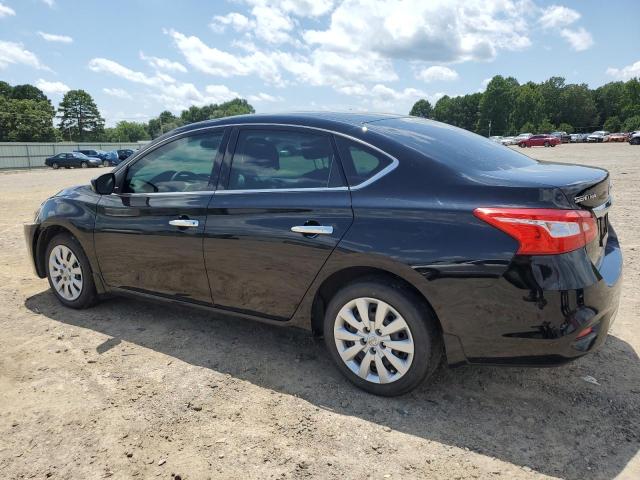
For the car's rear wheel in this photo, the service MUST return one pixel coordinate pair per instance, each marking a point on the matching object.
(69, 272)
(105, 163)
(522, 145)
(381, 337)
(55, 165)
(84, 164)
(546, 144)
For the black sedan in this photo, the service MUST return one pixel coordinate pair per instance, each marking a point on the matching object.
(402, 241)
(72, 159)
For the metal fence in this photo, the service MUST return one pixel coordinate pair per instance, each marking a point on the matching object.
(32, 155)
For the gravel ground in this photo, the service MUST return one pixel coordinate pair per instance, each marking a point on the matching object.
(135, 389)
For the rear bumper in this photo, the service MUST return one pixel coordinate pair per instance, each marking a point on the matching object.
(543, 311)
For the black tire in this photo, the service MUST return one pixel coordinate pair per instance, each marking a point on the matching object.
(546, 144)
(553, 145)
(522, 145)
(55, 165)
(84, 165)
(88, 295)
(422, 325)
(105, 163)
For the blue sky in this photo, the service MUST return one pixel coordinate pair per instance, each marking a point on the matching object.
(139, 57)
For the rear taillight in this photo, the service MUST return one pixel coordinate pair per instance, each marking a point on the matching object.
(543, 231)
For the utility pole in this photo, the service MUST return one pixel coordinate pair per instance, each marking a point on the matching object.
(489, 127)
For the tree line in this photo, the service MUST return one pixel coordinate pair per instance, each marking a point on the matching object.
(507, 107)
(27, 115)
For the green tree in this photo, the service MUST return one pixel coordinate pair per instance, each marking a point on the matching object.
(26, 120)
(565, 127)
(165, 122)
(578, 106)
(496, 104)
(422, 108)
(546, 126)
(552, 105)
(79, 116)
(610, 100)
(127, 132)
(28, 92)
(631, 124)
(528, 127)
(527, 106)
(612, 124)
(5, 89)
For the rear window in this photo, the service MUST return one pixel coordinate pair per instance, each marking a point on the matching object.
(459, 149)
(360, 162)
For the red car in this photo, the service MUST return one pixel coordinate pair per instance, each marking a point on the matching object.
(540, 141)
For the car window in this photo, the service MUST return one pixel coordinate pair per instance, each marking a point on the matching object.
(359, 161)
(183, 165)
(280, 159)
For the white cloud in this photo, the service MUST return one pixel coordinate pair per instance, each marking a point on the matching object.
(579, 39)
(49, 3)
(557, 16)
(163, 63)
(15, 53)
(625, 73)
(6, 11)
(264, 97)
(235, 20)
(52, 88)
(101, 65)
(117, 92)
(437, 73)
(183, 95)
(223, 64)
(271, 24)
(438, 31)
(486, 81)
(51, 37)
(300, 8)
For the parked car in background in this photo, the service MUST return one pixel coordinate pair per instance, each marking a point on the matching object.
(508, 141)
(522, 136)
(563, 136)
(356, 227)
(598, 136)
(542, 140)
(107, 158)
(634, 138)
(72, 159)
(579, 137)
(124, 153)
(495, 139)
(618, 137)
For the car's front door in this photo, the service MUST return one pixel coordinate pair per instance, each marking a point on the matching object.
(148, 234)
(281, 208)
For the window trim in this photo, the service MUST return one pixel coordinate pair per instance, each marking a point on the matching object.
(220, 189)
(213, 176)
(223, 183)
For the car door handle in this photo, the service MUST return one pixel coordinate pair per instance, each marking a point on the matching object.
(312, 230)
(183, 223)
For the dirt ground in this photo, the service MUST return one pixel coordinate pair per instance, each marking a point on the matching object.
(131, 389)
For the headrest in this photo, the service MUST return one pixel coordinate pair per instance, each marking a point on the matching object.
(261, 153)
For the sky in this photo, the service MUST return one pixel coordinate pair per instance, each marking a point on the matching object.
(140, 57)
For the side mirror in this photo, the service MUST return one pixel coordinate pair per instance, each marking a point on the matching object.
(104, 184)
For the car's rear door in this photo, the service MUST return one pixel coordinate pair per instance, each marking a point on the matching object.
(281, 207)
(148, 234)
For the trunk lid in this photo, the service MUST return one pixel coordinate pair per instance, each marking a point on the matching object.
(585, 188)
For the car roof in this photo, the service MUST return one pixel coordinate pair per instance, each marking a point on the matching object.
(329, 120)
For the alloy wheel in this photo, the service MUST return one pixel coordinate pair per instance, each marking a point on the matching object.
(65, 272)
(373, 340)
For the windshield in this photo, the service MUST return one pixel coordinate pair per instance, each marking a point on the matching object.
(452, 146)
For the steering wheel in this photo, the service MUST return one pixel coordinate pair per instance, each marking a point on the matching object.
(183, 175)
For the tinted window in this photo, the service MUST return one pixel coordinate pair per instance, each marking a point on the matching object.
(183, 165)
(279, 159)
(459, 149)
(359, 161)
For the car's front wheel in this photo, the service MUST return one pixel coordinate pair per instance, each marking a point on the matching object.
(382, 337)
(55, 165)
(69, 272)
(105, 163)
(84, 165)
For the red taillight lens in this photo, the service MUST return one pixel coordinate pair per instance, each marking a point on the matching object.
(543, 231)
